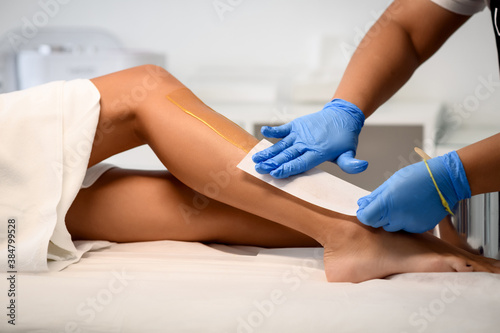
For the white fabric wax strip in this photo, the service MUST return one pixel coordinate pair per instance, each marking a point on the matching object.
(314, 186)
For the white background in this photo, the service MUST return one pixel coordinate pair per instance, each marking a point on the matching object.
(276, 33)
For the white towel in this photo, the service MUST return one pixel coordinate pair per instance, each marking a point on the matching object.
(95, 172)
(46, 138)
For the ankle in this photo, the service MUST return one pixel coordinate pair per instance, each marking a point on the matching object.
(338, 231)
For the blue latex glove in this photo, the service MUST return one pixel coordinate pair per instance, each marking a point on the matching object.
(409, 201)
(328, 135)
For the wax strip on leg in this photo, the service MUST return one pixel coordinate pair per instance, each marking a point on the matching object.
(192, 105)
(314, 186)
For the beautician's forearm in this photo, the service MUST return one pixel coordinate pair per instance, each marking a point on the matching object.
(407, 34)
(377, 70)
(481, 162)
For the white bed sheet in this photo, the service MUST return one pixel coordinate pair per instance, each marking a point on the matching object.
(169, 286)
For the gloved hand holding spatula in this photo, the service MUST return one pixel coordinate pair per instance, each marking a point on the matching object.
(416, 198)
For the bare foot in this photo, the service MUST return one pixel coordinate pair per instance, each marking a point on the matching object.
(364, 253)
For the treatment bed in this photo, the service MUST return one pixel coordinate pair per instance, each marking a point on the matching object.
(170, 286)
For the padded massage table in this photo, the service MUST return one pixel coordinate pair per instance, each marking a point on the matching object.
(170, 286)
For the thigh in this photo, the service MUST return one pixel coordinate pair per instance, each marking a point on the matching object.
(122, 94)
(131, 205)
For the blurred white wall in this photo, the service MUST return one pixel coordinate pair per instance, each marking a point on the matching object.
(267, 33)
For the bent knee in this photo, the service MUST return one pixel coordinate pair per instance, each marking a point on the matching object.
(125, 93)
(150, 84)
(149, 78)
(138, 84)
(151, 71)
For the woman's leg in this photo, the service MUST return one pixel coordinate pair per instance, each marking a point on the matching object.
(191, 150)
(205, 161)
(130, 206)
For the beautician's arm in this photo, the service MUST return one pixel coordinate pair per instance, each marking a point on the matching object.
(418, 196)
(406, 35)
(414, 201)
(481, 162)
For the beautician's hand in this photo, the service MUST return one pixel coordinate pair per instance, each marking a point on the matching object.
(409, 201)
(328, 135)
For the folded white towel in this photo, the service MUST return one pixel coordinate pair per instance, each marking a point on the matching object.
(45, 143)
(95, 172)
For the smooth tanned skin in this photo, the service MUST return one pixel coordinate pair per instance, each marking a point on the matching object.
(185, 100)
